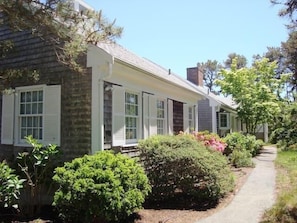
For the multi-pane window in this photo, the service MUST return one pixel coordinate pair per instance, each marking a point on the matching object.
(131, 115)
(191, 119)
(160, 117)
(224, 122)
(31, 114)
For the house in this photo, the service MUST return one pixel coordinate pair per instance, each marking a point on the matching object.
(216, 113)
(120, 99)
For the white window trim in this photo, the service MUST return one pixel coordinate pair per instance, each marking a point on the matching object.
(191, 120)
(228, 120)
(51, 113)
(18, 140)
(135, 140)
(164, 115)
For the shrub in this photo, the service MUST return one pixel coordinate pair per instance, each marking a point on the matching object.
(37, 167)
(104, 185)
(284, 137)
(240, 142)
(10, 186)
(210, 140)
(241, 158)
(179, 165)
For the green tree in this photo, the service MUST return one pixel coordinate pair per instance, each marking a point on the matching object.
(289, 47)
(210, 71)
(255, 90)
(288, 10)
(241, 60)
(57, 22)
(283, 69)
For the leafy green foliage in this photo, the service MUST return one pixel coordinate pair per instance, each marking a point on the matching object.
(255, 90)
(241, 158)
(37, 166)
(10, 186)
(285, 135)
(239, 141)
(181, 166)
(241, 148)
(104, 185)
(55, 21)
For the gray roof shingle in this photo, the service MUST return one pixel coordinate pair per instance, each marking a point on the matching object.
(122, 54)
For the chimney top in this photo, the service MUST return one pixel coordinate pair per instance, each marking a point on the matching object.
(195, 75)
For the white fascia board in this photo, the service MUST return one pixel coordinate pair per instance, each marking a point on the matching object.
(97, 56)
(200, 95)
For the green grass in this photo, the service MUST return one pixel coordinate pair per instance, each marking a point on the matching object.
(285, 208)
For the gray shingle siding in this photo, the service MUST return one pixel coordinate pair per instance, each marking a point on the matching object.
(33, 53)
(204, 116)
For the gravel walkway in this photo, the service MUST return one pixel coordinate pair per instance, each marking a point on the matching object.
(255, 196)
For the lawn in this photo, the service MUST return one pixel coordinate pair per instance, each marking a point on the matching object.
(285, 208)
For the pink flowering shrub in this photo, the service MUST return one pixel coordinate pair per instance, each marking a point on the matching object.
(210, 140)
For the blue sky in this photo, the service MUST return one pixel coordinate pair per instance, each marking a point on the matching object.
(178, 34)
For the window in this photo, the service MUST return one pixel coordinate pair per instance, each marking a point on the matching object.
(191, 119)
(31, 114)
(160, 117)
(131, 116)
(31, 110)
(224, 120)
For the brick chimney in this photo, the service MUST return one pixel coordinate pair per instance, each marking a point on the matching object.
(195, 75)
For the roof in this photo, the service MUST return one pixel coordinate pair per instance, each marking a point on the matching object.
(122, 54)
(224, 101)
(227, 101)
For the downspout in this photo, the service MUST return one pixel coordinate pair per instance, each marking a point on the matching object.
(142, 113)
(101, 69)
(101, 105)
(196, 121)
(214, 123)
(97, 115)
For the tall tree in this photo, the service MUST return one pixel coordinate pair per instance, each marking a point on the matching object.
(282, 71)
(57, 22)
(290, 51)
(276, 54)
(210, 71)
(288, 10)
(241, 61)
(255, 90)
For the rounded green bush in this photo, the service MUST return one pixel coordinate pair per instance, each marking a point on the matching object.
(240, 142)
(241, 158)
(179, 165)
(102, 186)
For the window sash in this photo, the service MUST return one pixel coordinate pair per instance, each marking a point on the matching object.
(30, 114)
(160, 117)
(191, 117)
(224, 120)
(131, 116)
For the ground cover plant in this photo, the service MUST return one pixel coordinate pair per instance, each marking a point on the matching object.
(285, 208)
(102, 187)
(180, 168)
